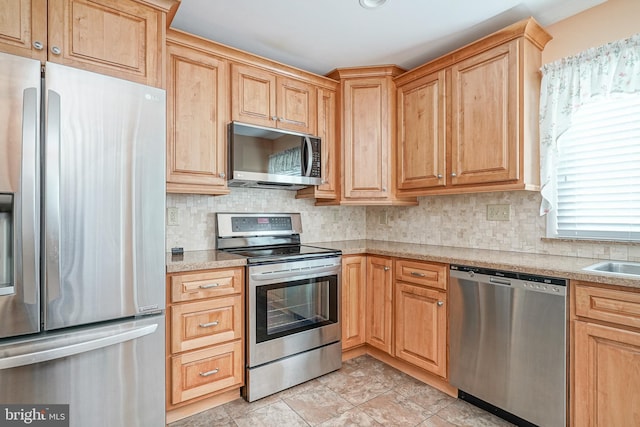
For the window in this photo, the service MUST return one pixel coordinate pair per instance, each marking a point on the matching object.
(598, 172)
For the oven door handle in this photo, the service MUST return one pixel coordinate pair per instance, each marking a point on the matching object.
(279, 274)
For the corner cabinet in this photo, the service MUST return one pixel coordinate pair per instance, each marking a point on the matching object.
(467, 122)
(379, 298)
(197, 114)
(605, 356)
(354, 276)
(368, 99)
(120, 38)
(264, 98)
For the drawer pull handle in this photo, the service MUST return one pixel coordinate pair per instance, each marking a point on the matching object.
(206, 374)
(415, 273)
(208, 325)
(209, 286)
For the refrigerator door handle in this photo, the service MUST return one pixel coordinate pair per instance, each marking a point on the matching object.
(75, 347)
(29, 217)
(52, 198)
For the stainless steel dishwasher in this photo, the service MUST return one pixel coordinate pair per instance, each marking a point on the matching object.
(507, 337)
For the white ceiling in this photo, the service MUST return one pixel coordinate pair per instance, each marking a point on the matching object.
(321, 35)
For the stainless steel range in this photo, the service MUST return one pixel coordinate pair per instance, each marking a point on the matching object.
(292, 301)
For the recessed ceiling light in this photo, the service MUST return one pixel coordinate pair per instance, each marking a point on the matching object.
(372, 4)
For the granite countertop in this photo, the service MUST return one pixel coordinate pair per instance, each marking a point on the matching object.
(546, 265)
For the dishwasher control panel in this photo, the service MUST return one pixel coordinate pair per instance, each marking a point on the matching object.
(512, 279)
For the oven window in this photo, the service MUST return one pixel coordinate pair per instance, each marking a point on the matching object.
(287, 308)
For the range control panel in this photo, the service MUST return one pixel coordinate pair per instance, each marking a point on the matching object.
(265, 223)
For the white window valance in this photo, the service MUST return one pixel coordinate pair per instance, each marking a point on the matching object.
(569, 83)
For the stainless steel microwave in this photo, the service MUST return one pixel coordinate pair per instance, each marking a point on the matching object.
(272, 158)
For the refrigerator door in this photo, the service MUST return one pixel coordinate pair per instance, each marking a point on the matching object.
(19, 195)
(104, 198)
(112, 375)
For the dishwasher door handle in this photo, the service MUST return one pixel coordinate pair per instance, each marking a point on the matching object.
(497, 281)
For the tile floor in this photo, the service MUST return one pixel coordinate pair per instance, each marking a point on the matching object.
(365, 392)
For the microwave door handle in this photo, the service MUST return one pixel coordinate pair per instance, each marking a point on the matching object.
(307, 142)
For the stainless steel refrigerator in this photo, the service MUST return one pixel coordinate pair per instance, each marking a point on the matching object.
(82, 288)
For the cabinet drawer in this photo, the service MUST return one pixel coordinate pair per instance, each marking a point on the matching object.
(202, 323)
(201, 372)
(422, 273)
(215, 283)
(609, 305)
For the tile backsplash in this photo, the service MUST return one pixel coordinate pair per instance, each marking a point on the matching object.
(455, 220)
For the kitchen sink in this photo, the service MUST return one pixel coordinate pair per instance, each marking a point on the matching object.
(624, 268)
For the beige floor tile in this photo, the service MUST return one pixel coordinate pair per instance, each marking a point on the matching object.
(463, 414)
(240, 407)
(435, 421)
(276, 414)
(318, 405)
(212, 417)
(424, 395)
(352, 418)
(393, 409)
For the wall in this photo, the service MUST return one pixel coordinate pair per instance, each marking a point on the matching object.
(196, 216)
(607, 22)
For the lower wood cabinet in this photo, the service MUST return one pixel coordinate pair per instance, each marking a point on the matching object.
(379, 290)
(354, 276)
(605, 356)
(420, 319)
(205, 350)
(421, 327)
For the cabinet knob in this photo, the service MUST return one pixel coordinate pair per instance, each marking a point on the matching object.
(274, 118)
(439, 176)
(454, 174)
(384, 189)
(56, 50)
(440, 303)
(386, 269)
(38, 45)
(222, 175)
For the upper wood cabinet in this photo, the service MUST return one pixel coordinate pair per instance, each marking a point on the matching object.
(197, 114)
(120, 38)
(368, 97)
(23, 28)
(467, 122)
(605, 355)
(422, 133)
(327, 131)
(267, 99)
(379, 298)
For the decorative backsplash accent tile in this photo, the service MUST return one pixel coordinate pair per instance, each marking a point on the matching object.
(453, 220)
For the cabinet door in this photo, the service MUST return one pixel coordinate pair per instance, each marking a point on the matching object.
(23, 28)
(366, 138)
(379, 292)
(253, 95)
(606, 364)
(296, 105)
(421, 134)
(197, 114)
(421, 327)
(484, 128)
(121, 38)
(327, 133)
(354, 270)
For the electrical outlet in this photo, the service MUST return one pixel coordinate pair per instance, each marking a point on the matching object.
(498, 212)
(172, 216)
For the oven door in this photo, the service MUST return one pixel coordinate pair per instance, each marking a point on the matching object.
(292, 307)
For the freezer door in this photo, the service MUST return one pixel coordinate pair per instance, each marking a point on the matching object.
(19, 195)
(104, 198)
(112, 375)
